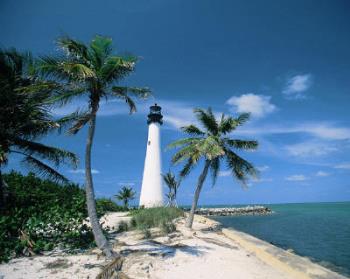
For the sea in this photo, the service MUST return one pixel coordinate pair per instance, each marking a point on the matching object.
(319, 231)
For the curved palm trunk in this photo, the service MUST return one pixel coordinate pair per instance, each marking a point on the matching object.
(100, 239)
(201, 180)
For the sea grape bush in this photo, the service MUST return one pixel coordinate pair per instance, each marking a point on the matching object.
(41, 215)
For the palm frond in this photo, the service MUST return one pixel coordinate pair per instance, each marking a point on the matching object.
(184, 153)
(240, 167)
(192, 130)
(74, 48)
(207, 119)
(242, 119)
(63, 96)
(211, 148)
(116, 68)
(51, 67)
(187, 168)
(77, 71)
(181, 142)
(80, 122)
(100, 48)
(122, 92)
(214, 169)
(53, 154)
(242, 144)
(227, 124)
(43, 169)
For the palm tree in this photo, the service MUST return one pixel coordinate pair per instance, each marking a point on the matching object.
(173, 185)
(125, 194)
(25, 118)
(94, 71)
(213, 145)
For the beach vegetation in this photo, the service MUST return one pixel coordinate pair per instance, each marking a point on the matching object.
(94, 71)
(123, 226)
(25, 118)
(42, 215)
(157, 217)
(104, 205)
(213, 145)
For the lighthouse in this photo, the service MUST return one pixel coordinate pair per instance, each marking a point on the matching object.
(151, 190)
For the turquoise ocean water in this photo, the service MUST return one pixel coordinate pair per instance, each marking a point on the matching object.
(319, 231)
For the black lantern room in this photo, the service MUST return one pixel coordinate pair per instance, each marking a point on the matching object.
(155, 115)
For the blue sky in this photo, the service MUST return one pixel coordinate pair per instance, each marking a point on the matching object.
(286, 62)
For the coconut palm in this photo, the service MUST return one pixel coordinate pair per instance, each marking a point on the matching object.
(213, 145)
(170, 180)
(95, 72)
(25, 119)
(125, 195)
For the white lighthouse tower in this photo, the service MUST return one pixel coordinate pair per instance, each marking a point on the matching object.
(151, 191)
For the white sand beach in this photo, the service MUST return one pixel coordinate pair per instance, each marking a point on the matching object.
(205, 252)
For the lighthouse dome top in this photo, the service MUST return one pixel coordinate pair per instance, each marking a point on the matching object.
(155, 115)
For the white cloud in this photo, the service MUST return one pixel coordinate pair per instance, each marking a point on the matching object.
(263, 168)
(310, 149)
(344, 166)
(262, 180)
(225, 173)
(322, 173)
(296, 177)
(297, 85)
(321, 130)
(82, 171)
(257, 105)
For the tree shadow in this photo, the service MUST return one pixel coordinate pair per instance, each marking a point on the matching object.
(163, 250)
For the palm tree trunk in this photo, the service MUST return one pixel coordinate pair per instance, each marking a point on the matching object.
(100, 239)
(201, 180)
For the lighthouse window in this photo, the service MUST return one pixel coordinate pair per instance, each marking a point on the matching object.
(149, 142)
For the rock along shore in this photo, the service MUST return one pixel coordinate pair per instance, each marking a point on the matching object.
(234, 211)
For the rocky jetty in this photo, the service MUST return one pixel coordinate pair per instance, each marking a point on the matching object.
(234, 211)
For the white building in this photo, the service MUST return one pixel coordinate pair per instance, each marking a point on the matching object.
(152, 190)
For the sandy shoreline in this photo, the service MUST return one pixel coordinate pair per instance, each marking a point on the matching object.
(205, 252)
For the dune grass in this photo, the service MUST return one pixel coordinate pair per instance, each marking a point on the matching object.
(161, 217)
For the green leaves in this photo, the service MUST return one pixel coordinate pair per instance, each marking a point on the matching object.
(91, 69)
(25, 101)
(207, 119)
(242, 144)
(123, 92)
(192, 130)
(42, 215)
(213, 145)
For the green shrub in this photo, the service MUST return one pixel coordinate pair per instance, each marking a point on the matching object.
(41, 215)
(104, 205)
(123, 226)
(167, 227)
(154, 217)
(146, 233)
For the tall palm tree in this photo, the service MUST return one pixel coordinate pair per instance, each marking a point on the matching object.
(126, 194)
(213, 145)
(95, 72)
(25, 118)
(173, 185)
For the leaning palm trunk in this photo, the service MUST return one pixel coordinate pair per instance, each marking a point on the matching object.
(100, 239)
(201, 180)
